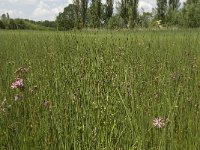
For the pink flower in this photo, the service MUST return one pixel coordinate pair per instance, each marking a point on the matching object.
(17, 84)
(158, 122)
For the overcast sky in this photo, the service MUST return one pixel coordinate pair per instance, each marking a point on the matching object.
(48, 9)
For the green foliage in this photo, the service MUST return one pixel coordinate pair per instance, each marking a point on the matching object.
(96, 11)
(173, 17)
(174, 4)
(145, 19)
(84, 7)
(192, 2)
(95, 14)
(161, 10)
(2, 26)
(31, 25)
(128, 11)
(46, 23)
(132, 12)
(21, 24)
(77, 12)
(67, 19)
(116, 22)
(192, 14)
(4, 17)
(109, 9)
(123, 11)
(14, 24)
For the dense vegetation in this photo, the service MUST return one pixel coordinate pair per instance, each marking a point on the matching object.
(124, 90)
(82, 14)
(95, 14)
(19, 24)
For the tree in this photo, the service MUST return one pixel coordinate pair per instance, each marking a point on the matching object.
(109, 9)
(12, 24)
(5, 19)
(95, 13)
(2, 26)
(84, 7)
(128, 11)
(191, 13)
(8, 16)
(77, 14)
(192, 1)
(145, 19)
(20, 24)
(3, 16)
(161, 10)
(174, 4)
(133, 6)
(173, 15)
(123, 8)
(66, 20)
(99, 4)
(116, 22)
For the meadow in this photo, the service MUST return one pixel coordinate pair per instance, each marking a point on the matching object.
(100, 90)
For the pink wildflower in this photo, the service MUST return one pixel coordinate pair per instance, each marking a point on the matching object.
(17, 84)
(158, 122)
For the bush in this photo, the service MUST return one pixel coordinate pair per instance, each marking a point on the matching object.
(2, 26)
(116, 22)
(192, 15)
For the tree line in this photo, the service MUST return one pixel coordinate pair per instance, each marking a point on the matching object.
(8, 23)
(95, 14)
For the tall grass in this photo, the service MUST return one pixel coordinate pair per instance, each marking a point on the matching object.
(100, 90)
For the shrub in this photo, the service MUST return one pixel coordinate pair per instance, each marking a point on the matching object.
(116, 22)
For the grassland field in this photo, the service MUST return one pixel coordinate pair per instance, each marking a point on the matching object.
(100, 90)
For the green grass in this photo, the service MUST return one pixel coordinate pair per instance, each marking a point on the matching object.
(104, 88)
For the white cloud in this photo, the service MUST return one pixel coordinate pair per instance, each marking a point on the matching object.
(69, 2)
(29, 2)
(57, 10)
(50, 0)
(42, 9)
(46, 11)
(146, 6)
(182, 1)
(13, 13)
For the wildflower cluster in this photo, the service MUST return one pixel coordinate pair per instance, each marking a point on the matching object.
(18, 84)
